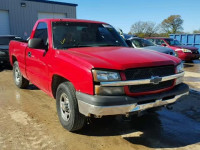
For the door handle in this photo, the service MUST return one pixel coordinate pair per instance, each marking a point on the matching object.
(29, 54)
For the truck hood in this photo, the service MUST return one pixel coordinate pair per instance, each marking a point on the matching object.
(160, 49)
(119, 58)
(185, 47)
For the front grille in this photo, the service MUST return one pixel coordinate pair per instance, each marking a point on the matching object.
(150, 87)
(147, 73)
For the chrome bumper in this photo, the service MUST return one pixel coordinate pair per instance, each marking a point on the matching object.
(88, 109)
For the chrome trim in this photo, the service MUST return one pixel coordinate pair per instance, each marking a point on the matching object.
(88, 109)
(139, 82)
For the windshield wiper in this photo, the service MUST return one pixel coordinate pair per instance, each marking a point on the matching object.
(109, 45)
(77, 46)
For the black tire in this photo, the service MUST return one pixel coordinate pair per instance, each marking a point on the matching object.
(69, 115)
(20, 81)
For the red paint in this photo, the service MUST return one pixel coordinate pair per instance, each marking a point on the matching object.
(75, 64)
(181, 54)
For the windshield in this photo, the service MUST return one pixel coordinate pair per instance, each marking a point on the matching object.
(142, 43)
(6, 40)
(76, 34)
(173, 42)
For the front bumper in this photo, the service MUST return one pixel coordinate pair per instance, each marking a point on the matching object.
(188, 56)
(118, 105)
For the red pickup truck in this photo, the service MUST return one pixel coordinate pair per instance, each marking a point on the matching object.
(90, 71)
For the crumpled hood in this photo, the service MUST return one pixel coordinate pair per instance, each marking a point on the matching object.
(160, 49)
(119, 58)
(186, 47)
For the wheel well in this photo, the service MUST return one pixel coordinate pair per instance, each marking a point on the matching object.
(14, 59)
(56, 81)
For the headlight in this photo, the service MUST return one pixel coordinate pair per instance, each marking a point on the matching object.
(180, 68)
(100, 75)
(186, 51)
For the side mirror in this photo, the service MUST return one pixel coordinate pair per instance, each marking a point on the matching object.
(36, 43)
(163, 44)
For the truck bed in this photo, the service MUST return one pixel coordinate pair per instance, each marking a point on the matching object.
(17, 49)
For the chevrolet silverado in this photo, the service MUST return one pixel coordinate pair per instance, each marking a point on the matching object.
(91, 72)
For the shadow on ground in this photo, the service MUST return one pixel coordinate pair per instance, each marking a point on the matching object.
(161, 129)
(191, 63)
(188, 65)
(32, 87)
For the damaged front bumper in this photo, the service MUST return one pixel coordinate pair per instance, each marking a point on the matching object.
(119, 105)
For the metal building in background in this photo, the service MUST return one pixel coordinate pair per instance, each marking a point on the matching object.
(188, 39)
(17, 17)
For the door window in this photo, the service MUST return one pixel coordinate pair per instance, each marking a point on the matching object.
(159, 42)
(41, 32)
(151, 40)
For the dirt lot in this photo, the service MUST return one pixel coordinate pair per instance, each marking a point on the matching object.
(192, 74)
(28, 120)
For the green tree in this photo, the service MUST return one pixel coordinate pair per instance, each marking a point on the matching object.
(172, 24)
(151, 29)
(144, 29)
(196, 31)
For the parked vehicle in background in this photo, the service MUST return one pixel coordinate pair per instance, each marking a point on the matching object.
(4, 45)
(128, 36)
(91, 72)
(188, 39)
(124, 35)
(185, 53)
(140, 43)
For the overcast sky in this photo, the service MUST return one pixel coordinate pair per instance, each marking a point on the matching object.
(123, 13)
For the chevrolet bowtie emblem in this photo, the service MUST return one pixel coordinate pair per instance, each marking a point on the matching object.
(155, 79)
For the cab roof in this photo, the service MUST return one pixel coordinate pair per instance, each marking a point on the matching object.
(70, 20)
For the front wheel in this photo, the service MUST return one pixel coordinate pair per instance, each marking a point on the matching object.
(20, 81)
(67, 108)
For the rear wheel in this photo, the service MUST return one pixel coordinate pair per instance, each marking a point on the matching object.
(67, 108)
(20, 81)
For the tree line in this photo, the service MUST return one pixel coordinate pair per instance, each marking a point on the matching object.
(171, 25)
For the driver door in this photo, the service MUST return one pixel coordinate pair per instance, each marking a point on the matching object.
(37, 60)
